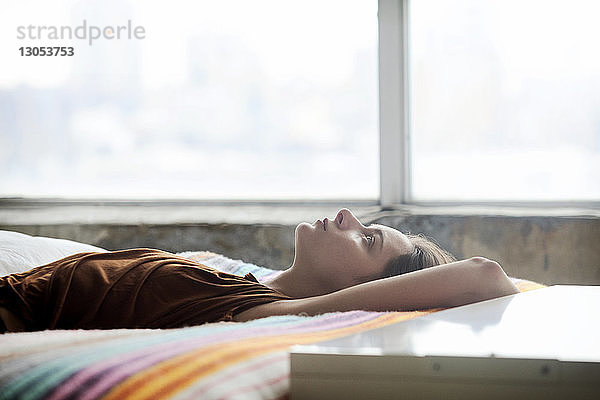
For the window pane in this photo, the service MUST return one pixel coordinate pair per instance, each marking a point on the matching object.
(505, 100)
(221, 99)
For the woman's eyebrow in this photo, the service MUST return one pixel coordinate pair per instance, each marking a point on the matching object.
(380, 233)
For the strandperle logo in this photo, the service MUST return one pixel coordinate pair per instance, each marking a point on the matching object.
(84, 31)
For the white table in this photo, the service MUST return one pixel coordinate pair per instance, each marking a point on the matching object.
(540, 344)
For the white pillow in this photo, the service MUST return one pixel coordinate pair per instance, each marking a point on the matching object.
(20, 252)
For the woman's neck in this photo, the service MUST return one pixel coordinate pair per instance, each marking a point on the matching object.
(297, 283)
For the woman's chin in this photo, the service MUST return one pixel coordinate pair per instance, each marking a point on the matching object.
(304, 236)
(304, 227)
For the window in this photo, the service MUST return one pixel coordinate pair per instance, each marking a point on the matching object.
(221, 99)
(504, 100)
(478, 101)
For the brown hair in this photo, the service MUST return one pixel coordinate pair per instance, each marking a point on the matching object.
(425, 253)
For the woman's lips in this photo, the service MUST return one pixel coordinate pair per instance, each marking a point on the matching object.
(323, 223)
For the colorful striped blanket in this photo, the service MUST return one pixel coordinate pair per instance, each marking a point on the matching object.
(225, 360)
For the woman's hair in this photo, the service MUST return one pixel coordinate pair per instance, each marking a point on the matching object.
(425, 253)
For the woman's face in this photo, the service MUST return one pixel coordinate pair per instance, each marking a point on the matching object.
(343, 252)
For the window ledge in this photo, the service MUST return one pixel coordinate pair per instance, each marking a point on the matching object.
(245, 214)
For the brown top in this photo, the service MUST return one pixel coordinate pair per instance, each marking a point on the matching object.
(139, 288)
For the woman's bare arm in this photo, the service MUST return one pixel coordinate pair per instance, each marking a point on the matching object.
(449, 285)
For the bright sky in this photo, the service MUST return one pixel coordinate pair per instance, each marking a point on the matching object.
(317, 40)
(280, 33)
(38, 71)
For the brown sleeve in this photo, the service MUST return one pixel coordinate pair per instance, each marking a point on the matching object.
(139, 288)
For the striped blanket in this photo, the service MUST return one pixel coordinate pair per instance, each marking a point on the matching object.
(225, 360)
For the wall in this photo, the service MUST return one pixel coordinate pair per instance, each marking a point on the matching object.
(552, 249)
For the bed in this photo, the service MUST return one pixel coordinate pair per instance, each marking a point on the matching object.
(225, 360)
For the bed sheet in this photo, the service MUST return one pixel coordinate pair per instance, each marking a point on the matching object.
(225, 360)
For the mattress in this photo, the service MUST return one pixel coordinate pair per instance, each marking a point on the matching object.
(224, 360)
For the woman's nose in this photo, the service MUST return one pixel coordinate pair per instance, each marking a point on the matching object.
(346, 220)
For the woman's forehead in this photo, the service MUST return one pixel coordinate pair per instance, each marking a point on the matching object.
(393, 238)
(385, 228)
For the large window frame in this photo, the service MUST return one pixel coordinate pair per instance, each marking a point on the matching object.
(394, 135)
(395, 114)
(394, 111)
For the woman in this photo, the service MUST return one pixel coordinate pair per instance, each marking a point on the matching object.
(339, 265)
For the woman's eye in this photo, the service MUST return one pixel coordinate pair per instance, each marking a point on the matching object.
(370, 239)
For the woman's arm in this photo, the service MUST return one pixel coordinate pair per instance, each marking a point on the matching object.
(449, 285)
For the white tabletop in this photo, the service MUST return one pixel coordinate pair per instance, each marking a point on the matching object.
(558, 322)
